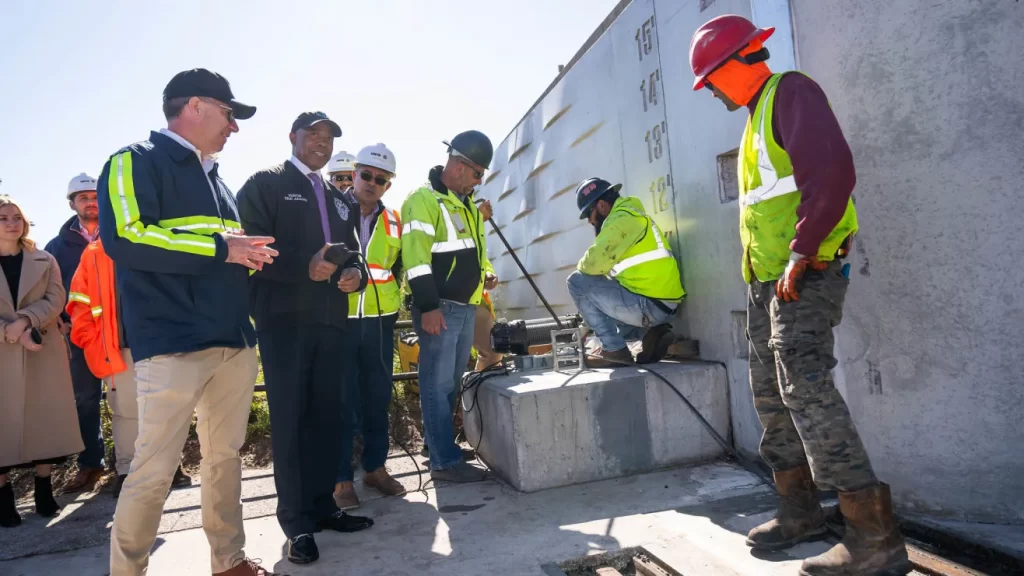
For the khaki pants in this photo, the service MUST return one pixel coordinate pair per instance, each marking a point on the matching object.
(218, 384)
(124, 409)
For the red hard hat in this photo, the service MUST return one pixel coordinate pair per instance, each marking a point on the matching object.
(718, 39)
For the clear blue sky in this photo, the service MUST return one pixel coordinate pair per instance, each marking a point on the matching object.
(80, 79)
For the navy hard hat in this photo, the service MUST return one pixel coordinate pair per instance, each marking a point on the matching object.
(589, 191)
(474, 146)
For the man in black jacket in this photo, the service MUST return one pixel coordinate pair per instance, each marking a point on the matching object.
(300, 304)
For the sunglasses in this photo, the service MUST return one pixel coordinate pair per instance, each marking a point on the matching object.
(341, 178)
(378, 180)
(230, 111)
(461, 159)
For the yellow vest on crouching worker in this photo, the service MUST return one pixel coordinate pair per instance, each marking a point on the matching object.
(382, 252)
(648, 267)
(769, 198)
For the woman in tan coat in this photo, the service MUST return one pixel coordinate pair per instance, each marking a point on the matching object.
(38, 420)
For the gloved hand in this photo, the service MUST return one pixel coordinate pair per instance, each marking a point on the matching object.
(785, 287)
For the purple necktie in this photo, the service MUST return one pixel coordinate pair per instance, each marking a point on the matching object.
(321, 201)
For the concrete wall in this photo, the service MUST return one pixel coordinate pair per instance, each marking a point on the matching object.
(932, 344)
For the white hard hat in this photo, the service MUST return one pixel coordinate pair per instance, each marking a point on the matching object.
(81, 183)
(378, 156)
(341, 162)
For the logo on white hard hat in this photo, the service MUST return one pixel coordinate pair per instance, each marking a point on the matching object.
(81, 183)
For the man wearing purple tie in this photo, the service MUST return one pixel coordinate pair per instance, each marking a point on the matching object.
(300, 305)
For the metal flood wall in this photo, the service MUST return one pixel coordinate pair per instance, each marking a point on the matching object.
(625, 111)
(929, 350)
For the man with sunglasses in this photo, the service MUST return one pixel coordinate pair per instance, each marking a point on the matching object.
(627, 283)
(372, 314)
(170, 224)
(300, 305)
(797, 220)
(341, 170)
(444, 254)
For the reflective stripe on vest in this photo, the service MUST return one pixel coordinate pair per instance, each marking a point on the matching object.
(96, 311)
(391, 227)
(644, 257)
(380, 275)
(451, 244)
(771, 185)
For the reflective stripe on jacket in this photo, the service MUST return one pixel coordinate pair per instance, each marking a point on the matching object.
(92, 306)
(160, 215)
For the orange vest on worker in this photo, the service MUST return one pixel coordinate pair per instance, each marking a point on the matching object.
(93, 311)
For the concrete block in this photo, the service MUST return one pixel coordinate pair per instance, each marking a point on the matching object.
(543, 429)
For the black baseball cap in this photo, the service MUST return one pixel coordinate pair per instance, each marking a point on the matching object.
(203, 83)
(310, 119)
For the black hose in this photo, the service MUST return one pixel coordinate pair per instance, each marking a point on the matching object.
(736, 455)
(527, 274)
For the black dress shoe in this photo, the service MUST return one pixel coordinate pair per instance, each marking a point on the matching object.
(302, 549)
(342, 522)
(180, 478)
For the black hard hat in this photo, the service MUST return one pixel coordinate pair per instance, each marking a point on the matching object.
(474, 146)
(589, 191)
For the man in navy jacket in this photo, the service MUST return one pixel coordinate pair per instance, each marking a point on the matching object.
(300, 304)
(67, 248)
(171, 226)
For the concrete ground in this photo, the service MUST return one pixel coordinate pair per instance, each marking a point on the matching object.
(693, 518)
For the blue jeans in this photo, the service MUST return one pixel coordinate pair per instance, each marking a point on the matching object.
(442, 362)
(88, 393)
(616, 314)
(370, 365)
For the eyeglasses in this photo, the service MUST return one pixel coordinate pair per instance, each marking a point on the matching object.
(342, 178)
(464, 160)
(230, 111)
(378, 180)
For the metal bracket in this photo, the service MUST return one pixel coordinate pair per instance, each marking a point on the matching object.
(566, 350)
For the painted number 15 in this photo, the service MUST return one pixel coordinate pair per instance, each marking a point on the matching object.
(644, 38)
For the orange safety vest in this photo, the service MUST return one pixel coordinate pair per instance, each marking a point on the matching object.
(93, 312)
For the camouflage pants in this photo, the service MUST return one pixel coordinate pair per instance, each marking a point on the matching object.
(805, 418)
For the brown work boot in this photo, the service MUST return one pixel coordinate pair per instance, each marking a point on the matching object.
(799, 517)
(85, 479)
(380, 480)
(873, 544)
(247, 567)
(605, 359)
(345, 496)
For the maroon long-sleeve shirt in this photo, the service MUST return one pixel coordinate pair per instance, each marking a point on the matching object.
(805, 127)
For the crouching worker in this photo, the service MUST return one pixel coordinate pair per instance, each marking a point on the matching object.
(94, 307)
(626, 286)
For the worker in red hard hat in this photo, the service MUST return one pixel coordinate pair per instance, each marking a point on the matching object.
(797, 221)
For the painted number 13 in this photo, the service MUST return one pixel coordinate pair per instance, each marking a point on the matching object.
(653, 140)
